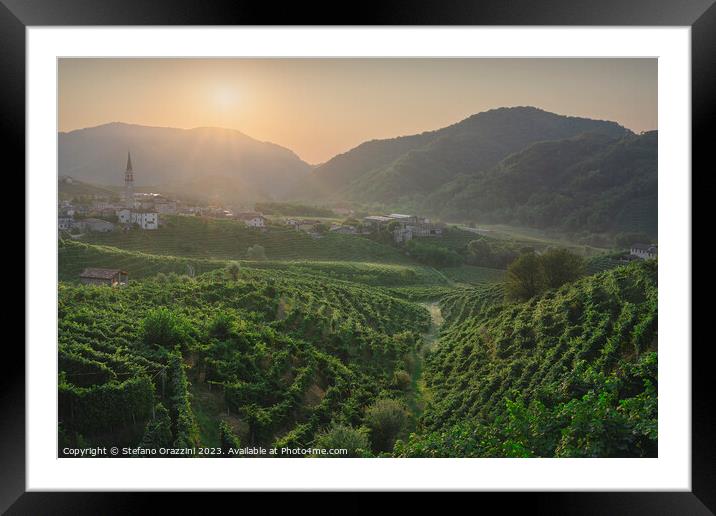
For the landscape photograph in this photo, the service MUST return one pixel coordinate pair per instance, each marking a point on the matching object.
(357, 257)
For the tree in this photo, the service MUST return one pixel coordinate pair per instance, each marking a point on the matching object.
(345, 437)
(256, 252)
(233, 270)
(322, 228)
(525, 277)
(386, 419)
(561, 266)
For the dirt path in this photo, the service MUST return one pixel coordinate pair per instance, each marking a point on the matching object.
(421, 396)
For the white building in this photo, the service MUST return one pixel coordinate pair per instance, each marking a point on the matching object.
(144, 219)
(644, 251)
(252, 219)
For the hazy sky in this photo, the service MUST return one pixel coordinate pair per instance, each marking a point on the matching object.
(321, 107)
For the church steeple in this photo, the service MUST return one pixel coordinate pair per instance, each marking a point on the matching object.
(129, 184)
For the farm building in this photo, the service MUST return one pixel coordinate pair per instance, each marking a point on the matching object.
(644, 251)
(110, 277)
(409, 226)
(252, 219)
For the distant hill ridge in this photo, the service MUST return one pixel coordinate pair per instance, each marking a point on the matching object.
(204, 161)
(400, 168)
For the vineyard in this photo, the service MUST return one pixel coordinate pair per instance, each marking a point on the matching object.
(197, 237)
(288, 356)
(572, 373)
(329, 343)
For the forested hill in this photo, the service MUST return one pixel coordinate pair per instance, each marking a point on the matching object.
(587, 183)
(400, 169)
(205, 162)
(572, 373)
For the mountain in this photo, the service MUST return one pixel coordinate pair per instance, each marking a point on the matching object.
(589, 183)
(202, 162)
(69, 187)
(402, 170)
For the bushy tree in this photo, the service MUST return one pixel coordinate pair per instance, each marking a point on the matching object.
(386, 419)
(561, 266)
(345, 437)
(233, 270)
(164, 328)
(220, 327)
(525, 277)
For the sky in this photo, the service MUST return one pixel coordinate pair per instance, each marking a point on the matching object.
(322, 107)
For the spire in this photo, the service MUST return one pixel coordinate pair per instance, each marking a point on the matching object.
(129, 162)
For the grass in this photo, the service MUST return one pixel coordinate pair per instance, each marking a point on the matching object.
(532, 237)
(198, 237)
(74, 257)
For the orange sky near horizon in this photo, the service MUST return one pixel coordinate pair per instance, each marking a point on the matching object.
(322, 107)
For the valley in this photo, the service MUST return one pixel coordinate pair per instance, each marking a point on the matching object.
(486, 289)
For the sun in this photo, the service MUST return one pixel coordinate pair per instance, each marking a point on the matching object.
(224, 97)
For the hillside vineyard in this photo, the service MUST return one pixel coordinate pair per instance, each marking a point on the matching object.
(488, 289)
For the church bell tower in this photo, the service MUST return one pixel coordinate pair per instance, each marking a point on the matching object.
(129, 184)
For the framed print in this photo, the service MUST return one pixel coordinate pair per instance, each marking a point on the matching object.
(413, 251)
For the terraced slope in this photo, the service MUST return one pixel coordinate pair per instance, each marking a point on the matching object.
(288, 355)
(572, 373)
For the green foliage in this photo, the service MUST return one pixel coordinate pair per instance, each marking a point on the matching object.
(561, 266)
(572, 373)
(413, 171)
(164, 328)
(233, 270)
(287, 354)
(490, 252)
(184, 428)
(158, 432)
(345, 437)
(196, 238)
(386, 419)
(589, 183)
(525, 277)
(228, 438)
(432, 254)
(74, 257)
(531, 274)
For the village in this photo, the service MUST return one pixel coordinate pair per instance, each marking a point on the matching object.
(144, 211)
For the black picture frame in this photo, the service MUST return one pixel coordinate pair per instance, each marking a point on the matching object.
(700, 15)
